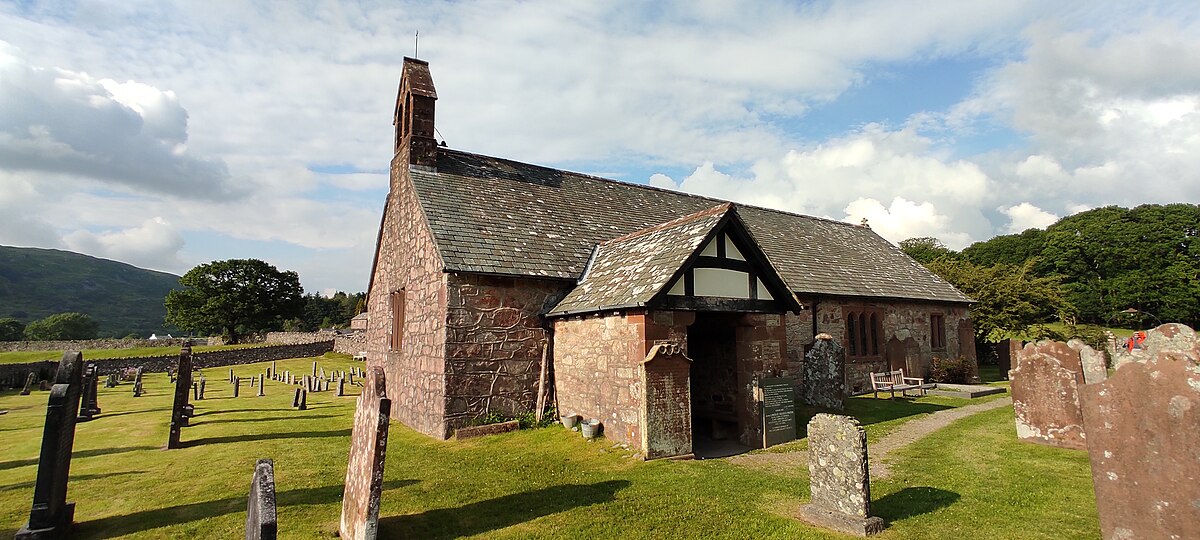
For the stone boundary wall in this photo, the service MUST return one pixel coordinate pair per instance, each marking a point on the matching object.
(79, 345)
(350, 344)
(162, 363)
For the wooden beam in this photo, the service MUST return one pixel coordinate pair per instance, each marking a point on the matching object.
(712, 303)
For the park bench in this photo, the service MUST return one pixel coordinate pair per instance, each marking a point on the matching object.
(361, 356)
(891, 381)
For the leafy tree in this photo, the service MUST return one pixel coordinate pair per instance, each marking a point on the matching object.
(235, 297)
(1007, 248)
(330, 312)
(1010, 299)
(926, 249)
(62, 326)
(11, 329)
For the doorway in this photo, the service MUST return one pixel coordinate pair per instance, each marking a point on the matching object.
(716, 394)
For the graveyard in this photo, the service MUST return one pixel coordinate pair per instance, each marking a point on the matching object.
(973, 478)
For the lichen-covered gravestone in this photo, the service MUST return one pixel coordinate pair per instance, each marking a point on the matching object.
(666, 413)
(1095, 366)
(1143, 428)
(1046, 397)
(260, 507)
(839, 477)
(368, 449)
(825, 374)
(51, 515)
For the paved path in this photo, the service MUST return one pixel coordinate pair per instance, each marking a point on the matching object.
(906, 434)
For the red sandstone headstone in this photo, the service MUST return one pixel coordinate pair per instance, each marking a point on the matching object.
(667, 407)
(368, 448)
(1143, 427)
(1095, 366)
(1045, 395)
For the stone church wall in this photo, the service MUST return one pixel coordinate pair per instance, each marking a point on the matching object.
(596, 363)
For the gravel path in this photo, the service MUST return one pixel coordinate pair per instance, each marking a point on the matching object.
(906, 434)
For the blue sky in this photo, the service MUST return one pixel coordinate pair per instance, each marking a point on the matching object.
(168, 134)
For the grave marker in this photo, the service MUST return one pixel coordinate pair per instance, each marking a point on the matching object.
(825, 374)
(261, 380)
(179, 415)
(1095, 367)
(778, 399)
(364, 471)
(202, 381)
(88, 406)
(1046, 397)
(237, 385)
(303, 399)
(840, 478)
(296, 399)
(28, 384)
(260, 508)
(137, 383)
(51, 515)
(341, 387)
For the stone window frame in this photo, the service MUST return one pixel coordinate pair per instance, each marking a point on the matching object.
(937, 331)
(396, 302)
(864, 333)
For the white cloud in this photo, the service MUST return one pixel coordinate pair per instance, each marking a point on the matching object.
(154, 244)
(1027, 216)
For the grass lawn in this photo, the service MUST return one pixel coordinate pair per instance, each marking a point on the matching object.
(22, 357)
(971, 480)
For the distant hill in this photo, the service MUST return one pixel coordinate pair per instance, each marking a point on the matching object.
(124, 299)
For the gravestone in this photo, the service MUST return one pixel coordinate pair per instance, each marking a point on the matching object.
(260, 508)
(179, 416)
(778, 399)
(137, 383)
(666, 412)
(1095, 367)
(322, 373)
(296, 399)
(341, 387)
(1172, 337)
(230, 375)
(825, 374)
(51, 515)
(1142, 441)
(202, 381)
(88, 406)
(1045, 395)
(303, 400)
(839, 477)
(1006, 355)
(196, 390)
(364, 471)
(261, 380)
(111, 381)
(966, 347)
(314, 373)
(28, 383)
(237, 385)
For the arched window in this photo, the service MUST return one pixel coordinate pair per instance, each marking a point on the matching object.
(851, 339)
(863, 332)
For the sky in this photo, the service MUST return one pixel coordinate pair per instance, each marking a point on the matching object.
(169, 134)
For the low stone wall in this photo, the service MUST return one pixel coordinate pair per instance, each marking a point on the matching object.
(232, 357)
(79, 345)
(350, 344)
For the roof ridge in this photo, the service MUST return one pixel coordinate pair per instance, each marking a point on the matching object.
(718, 209)
(653, 188)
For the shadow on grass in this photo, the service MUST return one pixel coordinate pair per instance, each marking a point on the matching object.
(483, 516)
(78, 454)
(989, 373)
(173, 515)
(74, 478)
(267, 436)
(226, 411)
(869, 411)
(260, 419)
(912, 501)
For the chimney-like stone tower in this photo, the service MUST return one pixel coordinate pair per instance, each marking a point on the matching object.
(414, 114)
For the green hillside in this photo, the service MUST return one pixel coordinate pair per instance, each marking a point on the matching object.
(124, 299)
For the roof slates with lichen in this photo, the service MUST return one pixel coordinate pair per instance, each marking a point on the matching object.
(496, 216)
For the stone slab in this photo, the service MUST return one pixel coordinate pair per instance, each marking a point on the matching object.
(1046, 397)
(839, 476)
(183, 384)
(260, 505)
(51, 514)
(666, 409)
(368, 450)
(852, 525)
(825, 374)
(489, 429)
(966, 391)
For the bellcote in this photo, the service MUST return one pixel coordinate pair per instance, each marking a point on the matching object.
(414, 114)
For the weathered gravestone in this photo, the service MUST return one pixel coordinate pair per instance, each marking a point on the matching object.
(260, 508)
(237, 385)
(839, 477)
(261, 380)
(137, 383)
(666, 413)
(1006, 355)
(368, 449)
(303, 400)
(341, 387)
(1143, 439)
(183, 382)
(202, 381)
(51, 514)
(28, 383)
(88, 401)
(1168, 337)
(1095, 367)
(825, 374)
(296, 399)
(1046, 397)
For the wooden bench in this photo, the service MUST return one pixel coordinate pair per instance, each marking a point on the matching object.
(891, 381)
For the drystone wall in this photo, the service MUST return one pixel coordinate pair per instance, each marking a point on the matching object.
(82, 344)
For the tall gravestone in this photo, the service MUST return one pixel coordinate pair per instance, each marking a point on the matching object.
(137, 383)
(51, 514)
(1046, 397)
(825, 374)
(1095, 366)
(666, 411)
(89, 405)
(260, 508)
(368, 449)
(1143, 439)
(28, 384)
(179, 416)
(839, 477)
(1006, 355)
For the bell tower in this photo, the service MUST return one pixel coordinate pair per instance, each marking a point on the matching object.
(414, 114)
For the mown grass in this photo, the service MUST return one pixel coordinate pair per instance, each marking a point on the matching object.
(970, 480)
(23, 357)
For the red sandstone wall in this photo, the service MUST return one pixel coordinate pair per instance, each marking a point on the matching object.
(408, 259)
(596, 363)
(900, 320)
(494, 341)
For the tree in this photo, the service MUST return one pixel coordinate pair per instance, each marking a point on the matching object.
(926, 249)
(62, 326)
(235, 297)
(1007, 248)
(1009, 298)
(11, 329)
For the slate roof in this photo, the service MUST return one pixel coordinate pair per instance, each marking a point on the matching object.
(496, 216)
(630, 270)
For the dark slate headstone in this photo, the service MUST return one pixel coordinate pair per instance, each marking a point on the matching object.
(296, 399)
(261, 383)
(28, 383)
(839, 477)
(88, 402)
(260, 508)
(237, 385)
(1142, 440)
(368, 451)
(825, 374)
(341, 387)
(202, 381)
(183, 383)
(137, 382)
(303, 400)
(778, 410)
(51, 514)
